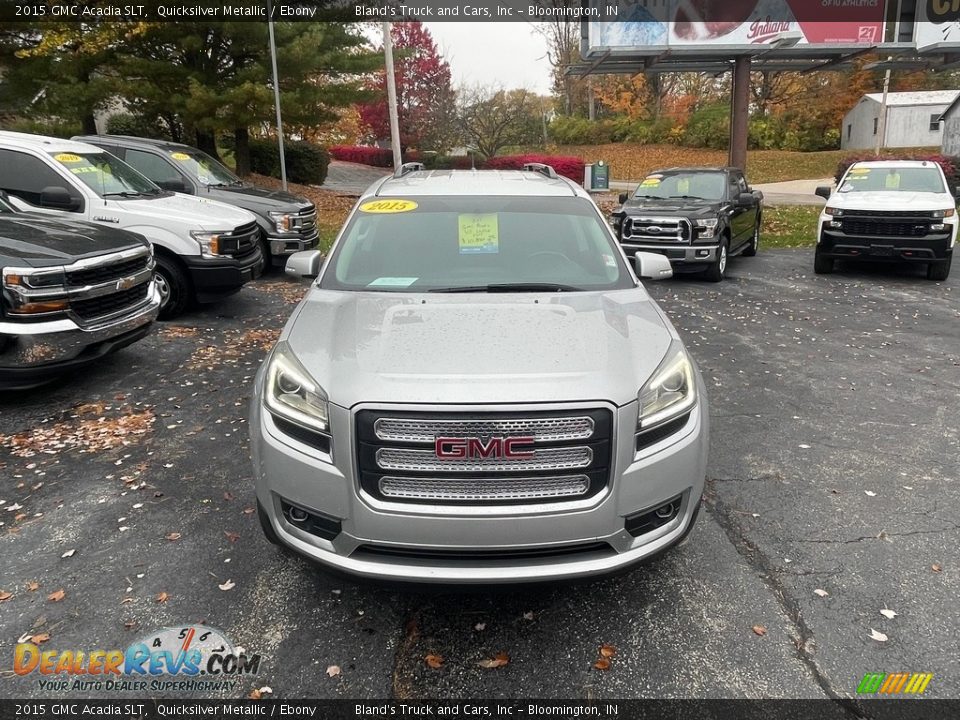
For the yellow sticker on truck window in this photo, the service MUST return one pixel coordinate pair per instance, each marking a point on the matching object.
(67, 158)
(179, 156)
(479, 234)
(650, 182)
(388, 206)
(859, 171)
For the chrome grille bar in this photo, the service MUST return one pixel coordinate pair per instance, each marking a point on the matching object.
(484, 489)
(565, 458)
(413, 430)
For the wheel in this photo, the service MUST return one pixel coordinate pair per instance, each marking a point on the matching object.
(755, 241)
(266, 263)
(822, 265)
(174, 287)
(939, 269)
(717, 270)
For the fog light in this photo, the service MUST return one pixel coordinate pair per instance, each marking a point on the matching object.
(298, 515)
(644, 522)
(703, 253)
(938, 227)
(665, 511)
(836, 224)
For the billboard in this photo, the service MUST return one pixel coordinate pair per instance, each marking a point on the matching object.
(938, 23)
(658, 25)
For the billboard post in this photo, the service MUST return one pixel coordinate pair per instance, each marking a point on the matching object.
(740, 115)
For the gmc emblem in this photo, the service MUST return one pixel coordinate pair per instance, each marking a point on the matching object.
(450, 448)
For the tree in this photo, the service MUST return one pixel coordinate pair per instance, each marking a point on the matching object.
(425, 97)
(492, 118)
(563, 50)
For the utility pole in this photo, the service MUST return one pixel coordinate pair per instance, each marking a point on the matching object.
(276, 94)
(882, 122)
(392, 96)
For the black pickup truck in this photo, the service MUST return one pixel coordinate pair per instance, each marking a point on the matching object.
(72, 292)
(698, 217)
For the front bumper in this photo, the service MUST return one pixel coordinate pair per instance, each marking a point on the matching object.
(216, 278)
(34, 353)
(484, 543)
(283, 245)
(676, 254)
(834, 243)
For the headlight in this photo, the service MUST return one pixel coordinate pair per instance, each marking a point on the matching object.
(671, 391)
(37, 279)
(835, 212)
(707, 228)
(949, 212)
(209, 242)
(282, 221)
(292, 394)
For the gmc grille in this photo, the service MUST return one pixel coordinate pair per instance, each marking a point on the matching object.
(569, 458)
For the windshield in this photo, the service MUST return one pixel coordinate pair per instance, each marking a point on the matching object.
(106, 175)
(892, 179)
(664, 185)
(482, 244)
(203, 168)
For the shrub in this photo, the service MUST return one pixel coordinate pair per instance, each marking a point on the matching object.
(452, 162)
(573, 130)
(708, 128)
(566, 165)
(367, 155)
(136, 125)
(949, 165)
(306, 163)
(51, 127)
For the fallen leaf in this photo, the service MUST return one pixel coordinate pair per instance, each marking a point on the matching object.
(528, 615)
(228, 585)
(39, 638)
(162, 597)
(804, 447)
(33, 585)
(759, 630)
(4, 595)
(937, 567)
(68, 553)
(333, 670)
(173, 537)
(56, 595)
(228, 496)
(434, 661)
(231, 536)
(249, 511)
(878, 636)
(889, 614)
(498, 660)
(255, 694)
(869, 493)
(23, 638)
(130, 624)
(480, 627)
(821, 593)
(602, 664)
(607, 651)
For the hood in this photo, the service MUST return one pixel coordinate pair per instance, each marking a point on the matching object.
(38, 240)
(195, 212)
(256, 199)
(386, 347)
(684, 208)
(892, 200)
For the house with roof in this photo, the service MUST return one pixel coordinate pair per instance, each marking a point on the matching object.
(913, 120)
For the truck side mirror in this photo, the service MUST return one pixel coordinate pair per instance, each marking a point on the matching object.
(746, 199)
(623, 197)
(652, 266)
(304, 264)
(58, 198)
(824, 191)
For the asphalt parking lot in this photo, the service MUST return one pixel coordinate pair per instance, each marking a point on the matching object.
(832, 495)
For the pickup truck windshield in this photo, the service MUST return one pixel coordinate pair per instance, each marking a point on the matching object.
(892, 179)
(476, 244)
(203, 168)
(106, 175)
(700, 185)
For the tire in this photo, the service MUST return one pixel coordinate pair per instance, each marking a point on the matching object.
(718, 270)
(266, 264)
(939, 269)
(822, 265)
(751, 251)
(174, 286)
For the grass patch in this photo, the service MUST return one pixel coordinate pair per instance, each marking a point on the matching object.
(789, 227)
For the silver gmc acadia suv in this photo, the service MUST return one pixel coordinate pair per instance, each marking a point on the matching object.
(477, 389)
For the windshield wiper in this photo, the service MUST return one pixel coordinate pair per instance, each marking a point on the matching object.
(125, 193)
(510, 287)
(686, 197)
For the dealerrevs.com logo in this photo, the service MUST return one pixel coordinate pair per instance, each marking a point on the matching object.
(189, 658)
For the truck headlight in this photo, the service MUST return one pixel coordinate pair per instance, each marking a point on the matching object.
(282, 221)
(209, 242)
(292, 394)
(706, 228)
(670, 392)
(949, 212)
(834, 212)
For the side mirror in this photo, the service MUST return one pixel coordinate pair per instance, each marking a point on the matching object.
(305, 264)
(746, 199)
(175, 185)
(652, 266)
(58, 198)
(623, 197)
(824, 191)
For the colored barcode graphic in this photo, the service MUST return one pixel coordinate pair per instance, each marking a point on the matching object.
(894, 683)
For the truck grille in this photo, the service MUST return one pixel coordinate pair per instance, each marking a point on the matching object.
(241, 242)
(109, 304)
(674, 230)
(565, 455)
(885, 228)
(98, 274)
(305, 221)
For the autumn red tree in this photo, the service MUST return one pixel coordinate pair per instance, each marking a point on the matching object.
(425, 96)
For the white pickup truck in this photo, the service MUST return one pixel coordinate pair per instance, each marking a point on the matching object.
(889, 211)
(205, 250)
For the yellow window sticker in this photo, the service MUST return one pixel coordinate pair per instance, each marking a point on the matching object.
(683, 186)
(388, 206)
(479, 234)
(892, 181)
(67, 158)
(179, 156)
(650, 182)
(860, 171)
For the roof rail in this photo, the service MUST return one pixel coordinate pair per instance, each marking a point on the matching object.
(541, 168)
(408, 168)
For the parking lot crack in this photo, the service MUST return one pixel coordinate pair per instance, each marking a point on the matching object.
(880, 536)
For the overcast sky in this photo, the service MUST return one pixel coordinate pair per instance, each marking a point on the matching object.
(510, 54)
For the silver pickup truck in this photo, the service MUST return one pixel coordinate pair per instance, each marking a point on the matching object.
(477, 389)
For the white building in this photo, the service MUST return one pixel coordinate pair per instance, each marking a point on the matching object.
(913, 119)
(950, 124)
